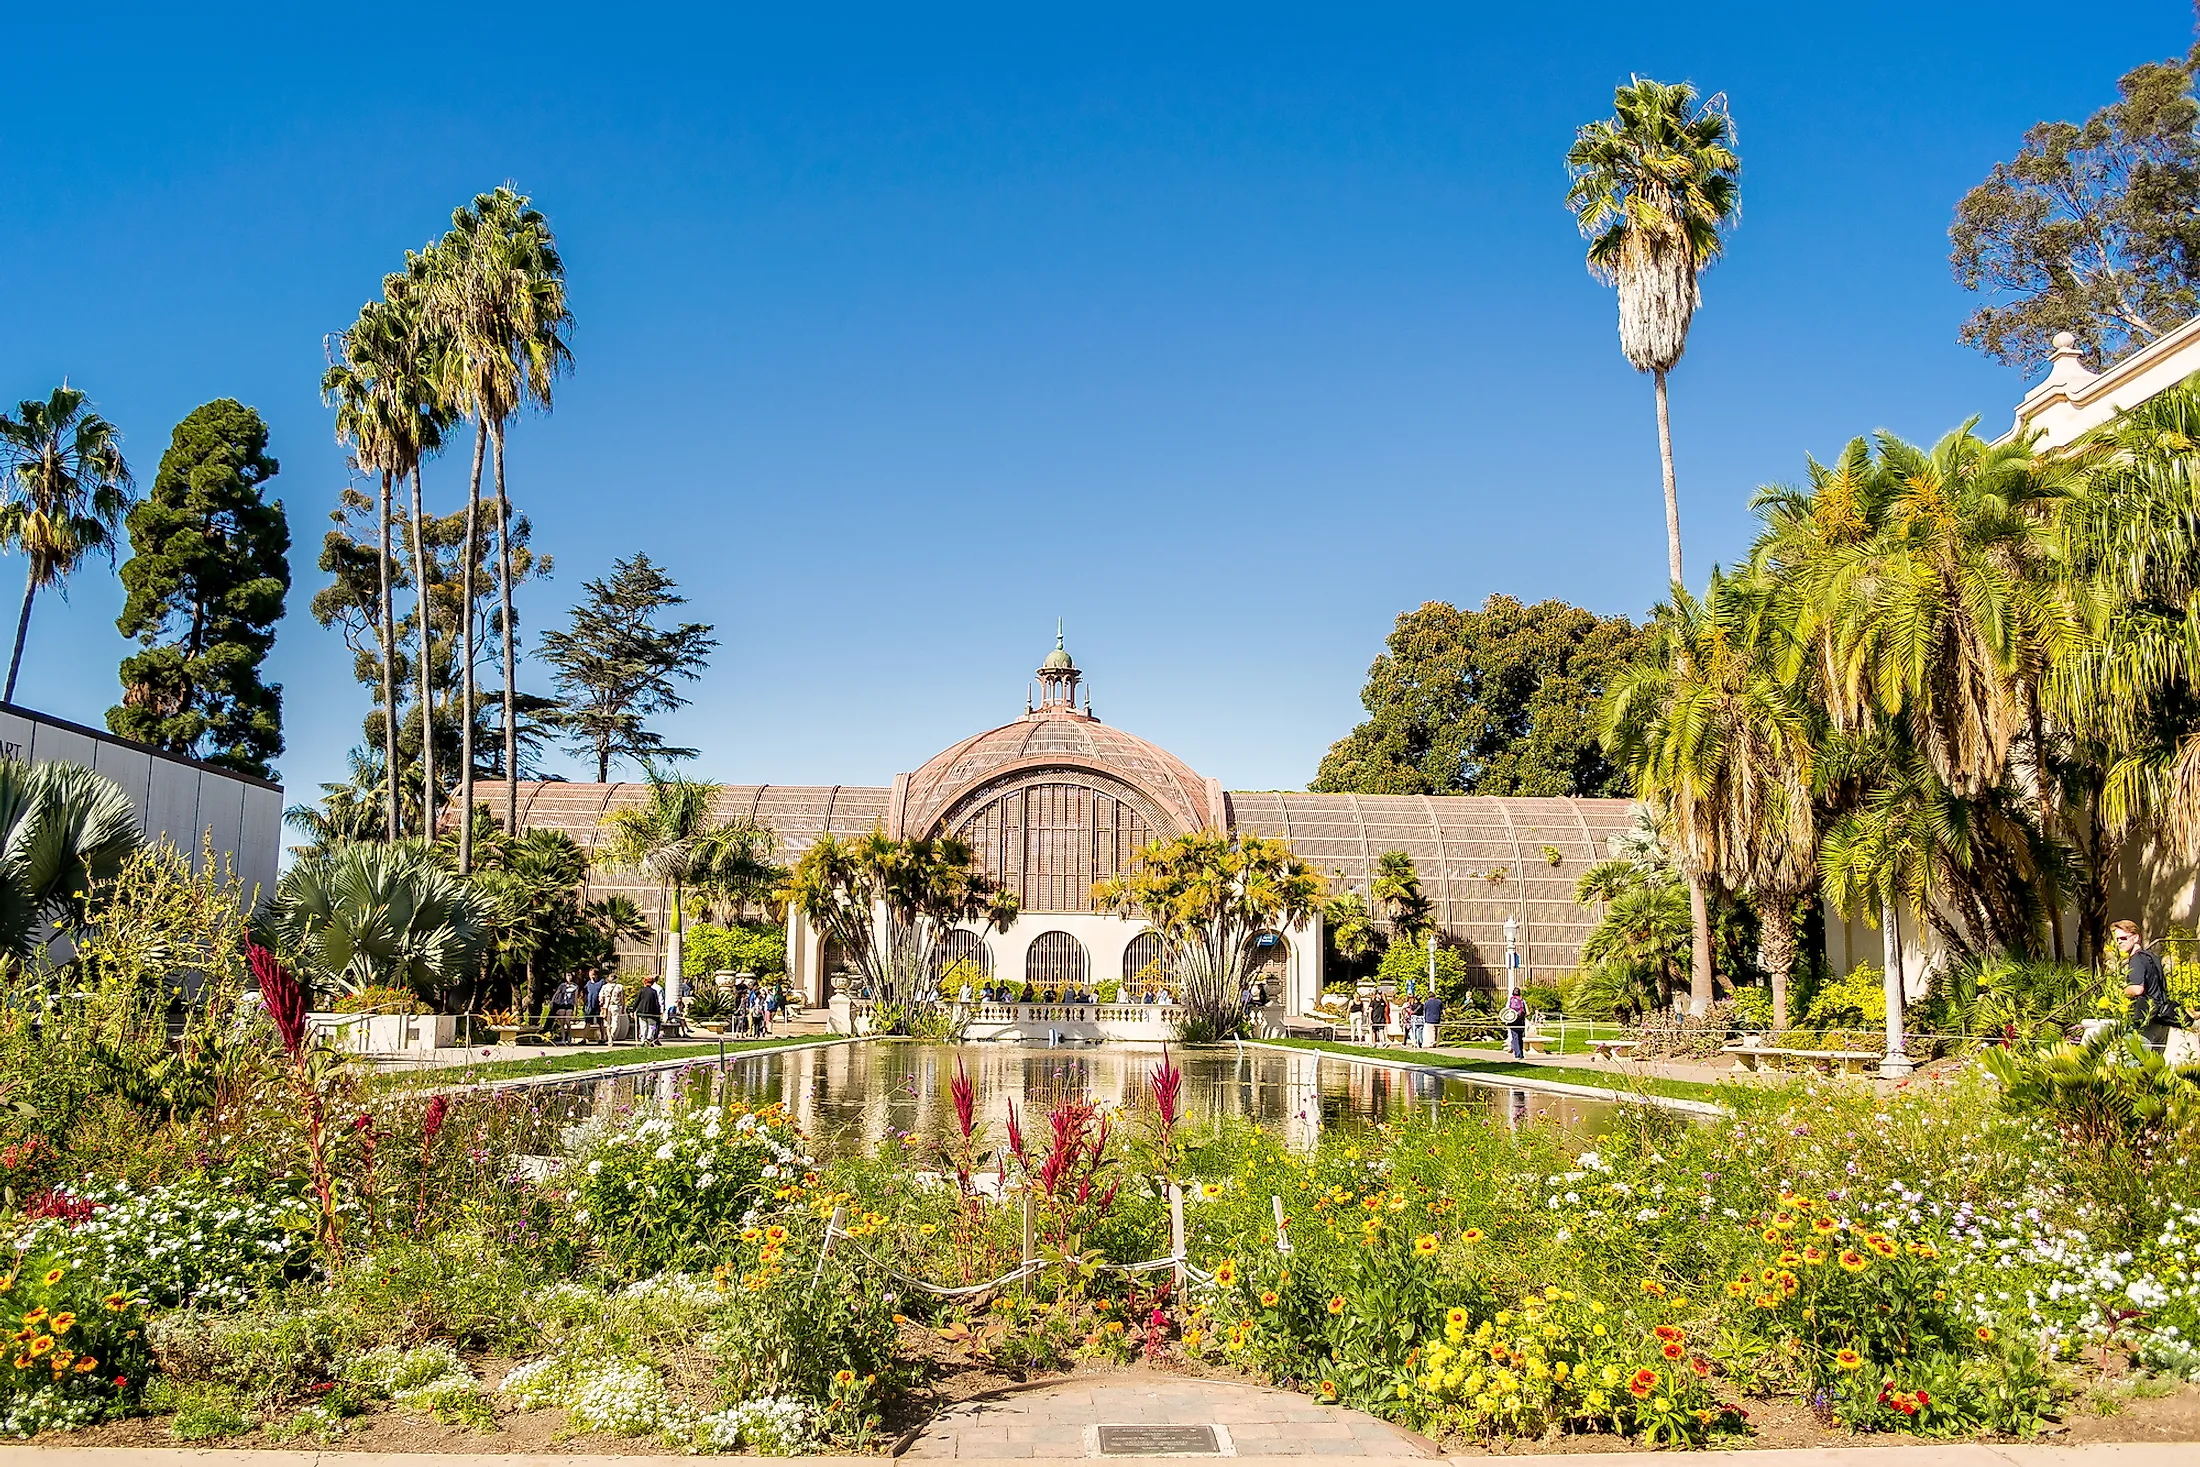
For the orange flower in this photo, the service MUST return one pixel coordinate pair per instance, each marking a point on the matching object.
(1814, 1256)
(1329, 1390)
(85, 1365)
(1669, 1333)
(1881, 1244)
(1985, 1335)
(1652, 1286)
(1701, 1366)
(1672, 1350)
(1735, 1288)
(1854, 1261)
(1771, 1235)
(1824, 1225)
(1923, 1250)
(1642, 1382)
(1848, 1359)
(1336, 1304)
(1268, 1298)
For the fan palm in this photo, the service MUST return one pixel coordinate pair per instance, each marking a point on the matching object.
(369, 914)
(63, 830)
(1653, 188)
(68, 489)
(1708, 728)
(498, 296)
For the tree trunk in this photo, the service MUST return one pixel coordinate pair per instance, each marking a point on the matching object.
(673, 955)
(1672, 491)
(2047, 811)
(466, 639)
(1699, 958)
(1897, 1063)
(22, 630)
(1776, 946)
(385, 628)
(424, 676)
(511, 661)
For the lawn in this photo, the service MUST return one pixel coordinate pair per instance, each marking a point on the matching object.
(1617, 1083)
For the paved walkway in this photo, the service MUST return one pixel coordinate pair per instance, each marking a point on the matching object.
(1085, 1418)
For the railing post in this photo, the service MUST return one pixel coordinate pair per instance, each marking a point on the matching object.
(1024, 1268)
(1283, 1238)
(832, 1227)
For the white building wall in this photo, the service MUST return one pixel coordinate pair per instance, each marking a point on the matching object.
(179, 800)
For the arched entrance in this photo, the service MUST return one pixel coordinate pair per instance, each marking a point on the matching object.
(1056, 960)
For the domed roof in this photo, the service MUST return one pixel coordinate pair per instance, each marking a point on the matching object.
(1058, 659)
(1054, 739)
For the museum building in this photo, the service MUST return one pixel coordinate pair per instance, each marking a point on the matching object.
(1057, 800)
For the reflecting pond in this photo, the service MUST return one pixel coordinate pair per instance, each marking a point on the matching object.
(852, 1097)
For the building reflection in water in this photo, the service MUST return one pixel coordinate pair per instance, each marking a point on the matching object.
(856, 1097)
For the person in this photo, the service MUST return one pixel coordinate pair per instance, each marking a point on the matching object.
(1356, 1015)
(2153, 1013)
(756, 1013)
(771, 1009)
(1412, 1007)
(966, 994)
(1516, 1026)
(649, 1011)
(592, 1004)
(563, 1000)
(1432, 1014)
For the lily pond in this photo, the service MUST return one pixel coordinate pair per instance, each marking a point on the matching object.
(850, 1098)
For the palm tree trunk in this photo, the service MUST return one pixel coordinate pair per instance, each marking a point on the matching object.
(1699, 959)
(466, 635)
(1897, 1063)
(1672, 491)
(1776, 945)
(386, 630)
(504, 625)
(22, 630)
(424, 676)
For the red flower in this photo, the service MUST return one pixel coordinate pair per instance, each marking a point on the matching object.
(1672, 1350)
(282, 995)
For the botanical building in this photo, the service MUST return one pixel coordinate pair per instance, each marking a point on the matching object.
(1057, 800)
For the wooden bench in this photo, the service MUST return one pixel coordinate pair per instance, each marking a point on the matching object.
(1613, 1049)
(1851, 1061)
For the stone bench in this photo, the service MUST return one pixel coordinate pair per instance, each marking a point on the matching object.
(1851, 1061)
(1540, 1044)
(1613, 1049)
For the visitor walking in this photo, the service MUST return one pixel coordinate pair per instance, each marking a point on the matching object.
(1378, 1019)
(2153, 1013)
(1516, 1026)
(564, 999)
(1413, 1020)
(649, 1012)
(592, 1005)
(1356, 1014)
(1432, 1015)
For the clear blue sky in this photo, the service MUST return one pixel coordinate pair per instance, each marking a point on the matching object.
(1224, 334)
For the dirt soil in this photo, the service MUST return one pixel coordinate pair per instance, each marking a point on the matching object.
(949, 1377)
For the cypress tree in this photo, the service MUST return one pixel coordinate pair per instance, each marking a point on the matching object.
(615, 666)
(208, 572)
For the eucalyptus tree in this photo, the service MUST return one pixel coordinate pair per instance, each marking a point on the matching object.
(68, 489)
(497, 294)
(1654, 188)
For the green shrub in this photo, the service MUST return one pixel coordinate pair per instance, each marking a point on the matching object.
(269, 1355)
(740, 947)
(1542, 999)
(664, 1190)
(1857, 1000)
(788, 1336)
(1751, 1008)
(201, 1411)
(1405, 965)
(460, 1285)
(79, 1355)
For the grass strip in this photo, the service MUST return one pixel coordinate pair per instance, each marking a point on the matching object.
(1518, 1070)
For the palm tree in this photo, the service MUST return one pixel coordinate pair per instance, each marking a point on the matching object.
(1708, 728)
(673, 840)
(417, 374)
(68, 490)
(1653, 188)
(372, 914)
(499, 296)
(63, 830)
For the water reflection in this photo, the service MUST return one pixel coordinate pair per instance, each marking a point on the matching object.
(853, 1097)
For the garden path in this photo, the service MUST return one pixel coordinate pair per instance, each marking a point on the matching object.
(1077, 1418)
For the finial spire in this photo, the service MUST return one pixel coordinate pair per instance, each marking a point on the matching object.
(1058, 678)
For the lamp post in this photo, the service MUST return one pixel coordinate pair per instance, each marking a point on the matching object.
(1512, 953)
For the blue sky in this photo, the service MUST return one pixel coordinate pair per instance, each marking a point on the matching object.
(1224, 334)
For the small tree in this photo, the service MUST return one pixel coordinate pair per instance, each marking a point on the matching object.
(209, 569)
(1210, 896)
(616, 668)
(675, 841)
(889, 903)
(373, 915)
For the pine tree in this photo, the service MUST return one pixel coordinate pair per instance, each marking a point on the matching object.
(208, 572)
(615, 666)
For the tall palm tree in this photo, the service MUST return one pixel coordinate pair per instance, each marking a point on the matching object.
(499, 296)
(68, 490)
(1708, 728)
(1653, 188)
(673, 839)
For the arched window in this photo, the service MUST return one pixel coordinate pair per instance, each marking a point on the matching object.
(1144, 962)
(1056, 960)
(962, 946)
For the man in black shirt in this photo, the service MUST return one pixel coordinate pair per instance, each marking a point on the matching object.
(2152, 1013)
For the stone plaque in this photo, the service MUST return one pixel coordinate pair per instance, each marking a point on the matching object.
(1158, 1441)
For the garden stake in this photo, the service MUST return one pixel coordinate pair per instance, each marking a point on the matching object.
(1283, 1239)
(1024, 1269)
(832, 1226)
(1176, 1236)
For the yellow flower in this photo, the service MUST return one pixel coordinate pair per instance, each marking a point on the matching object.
(1336, 1304)
(1425, 1245)
(1848, 1360)
(1115, 1326)
(53, 1276)
(41, 1345)
(1880, 1244)
(1192, 1337)
(1652, 1286)
(1985, 1335)
(844, 1378)
(1329, 1390)
(1268, 1298)
(1735, 1288)
(1824, 1225)
(1456, 1317)
(1226, 1272)
(1771, 1235)
(927, 1229)
(1471, 1235)
(776, 1233)
(1853, 1261)
(1210, 1190)
(62, 1321)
